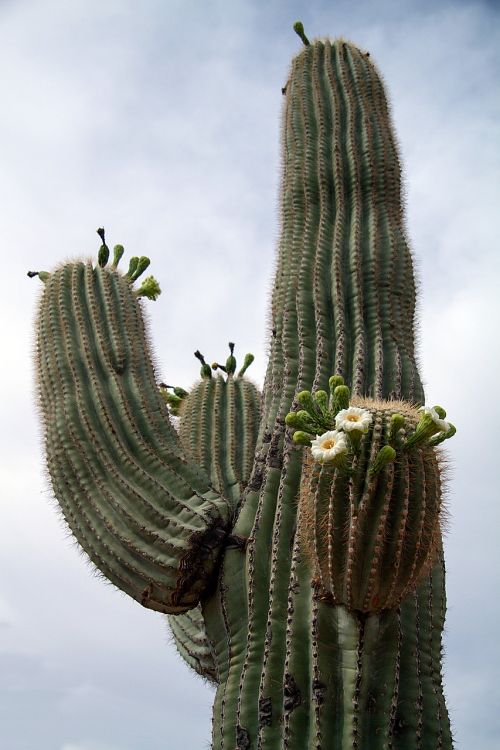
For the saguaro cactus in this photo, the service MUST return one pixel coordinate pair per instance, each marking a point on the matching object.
(295, 545)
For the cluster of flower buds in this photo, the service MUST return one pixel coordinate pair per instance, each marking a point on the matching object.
(173, 397)
(333, 429)
(149, 288)
(229, 368)
(432, 428)
(327, 423)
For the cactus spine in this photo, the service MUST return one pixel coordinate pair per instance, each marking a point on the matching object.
(315, 591)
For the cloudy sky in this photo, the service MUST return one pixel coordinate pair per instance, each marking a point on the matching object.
(160, 121)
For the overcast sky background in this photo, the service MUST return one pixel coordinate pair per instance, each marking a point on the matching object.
(160, 121)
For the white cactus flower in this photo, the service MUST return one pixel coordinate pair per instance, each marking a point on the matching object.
(443, 425)
(353, 418)
(328, 446)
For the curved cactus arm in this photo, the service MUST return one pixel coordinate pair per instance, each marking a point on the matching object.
(147, 517)
(218, 429)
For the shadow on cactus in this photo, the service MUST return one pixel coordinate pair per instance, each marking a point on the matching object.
(293, 538)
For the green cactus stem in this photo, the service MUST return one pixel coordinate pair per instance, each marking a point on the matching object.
(114, 460)
(302, 574)
(218, 430)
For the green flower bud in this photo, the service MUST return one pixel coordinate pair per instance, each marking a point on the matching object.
(299, 420)
(103, 255)
(386, 455)
(231, 360)
(321, 401)
(249, 358)
(306, 400)
(397, 424)
(171, 399)
(149, 288)
(301, 438)
(180, 392)
(141, 266)
(334, 381)
(442, 436)
(206, 370)
(42, 275)
(118, 251)
(341, 397)
(298, 27)
(441, 412)
(133, 263)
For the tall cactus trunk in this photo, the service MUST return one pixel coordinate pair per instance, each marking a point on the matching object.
(294, 670)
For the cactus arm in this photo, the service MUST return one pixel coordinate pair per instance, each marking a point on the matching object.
(146, 516)
(218, 430)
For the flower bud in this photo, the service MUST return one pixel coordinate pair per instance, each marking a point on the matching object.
(103, 255)
(321, 401)
(132, 265)
(305, 399)
(118, 251)
(334, 381)
(249, 358)
(141, 266)
(341, 397)
(386, 455)
(301, 438)
(397, 424)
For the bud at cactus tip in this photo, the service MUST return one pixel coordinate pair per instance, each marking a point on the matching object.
(397, 423)
(386, 455)
(301, 438)
(206, 370)
(334, 381)
(321, 401)
(231, 360)
(149, 288)
(249, 358)
(141, 266)
(298, 27)
(118, 251)
(305, 399)
(103, 255)
(341, 397)
(42, 275)
(133, 263)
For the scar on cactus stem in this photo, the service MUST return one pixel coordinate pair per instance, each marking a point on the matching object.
(293, 539)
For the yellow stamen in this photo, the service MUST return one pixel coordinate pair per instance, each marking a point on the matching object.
(327, 444)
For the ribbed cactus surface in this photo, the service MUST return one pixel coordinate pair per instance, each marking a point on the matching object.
(312, 589)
